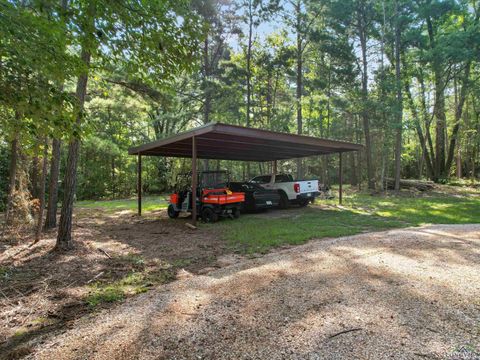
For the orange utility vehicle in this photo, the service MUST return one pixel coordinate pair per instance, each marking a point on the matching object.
(213, 198)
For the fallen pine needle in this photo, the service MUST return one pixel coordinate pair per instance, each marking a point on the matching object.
(95, 277)
(344, 332)
(106, 254)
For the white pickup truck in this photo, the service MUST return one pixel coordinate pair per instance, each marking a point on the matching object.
(299, 192)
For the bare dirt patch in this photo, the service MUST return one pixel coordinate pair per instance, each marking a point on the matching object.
(401, 294)
(42, 290)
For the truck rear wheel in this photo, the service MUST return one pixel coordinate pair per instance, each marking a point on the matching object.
(283, 204)
(209, 216)
(172, 213)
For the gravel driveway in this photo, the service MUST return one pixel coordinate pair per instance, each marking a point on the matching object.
(401, 294)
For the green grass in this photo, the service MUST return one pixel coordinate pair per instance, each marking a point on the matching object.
(361, 212)
(149, 203)
(427, 209)
(254, 234)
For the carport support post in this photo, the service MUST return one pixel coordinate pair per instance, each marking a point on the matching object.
(194, 181)
(340, 178)
(274, 167)
(139, 184)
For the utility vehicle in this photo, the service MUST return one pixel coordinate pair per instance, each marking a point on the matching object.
(291, 191)
(213, 197)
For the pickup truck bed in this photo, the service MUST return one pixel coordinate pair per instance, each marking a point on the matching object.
(291, 191)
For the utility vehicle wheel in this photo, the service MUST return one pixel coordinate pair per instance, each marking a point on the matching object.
(304, 202)
(172, 213)
(283, 204)
(236, 213)
(209, 216)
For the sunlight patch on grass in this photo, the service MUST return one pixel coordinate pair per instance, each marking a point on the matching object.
(361, 212)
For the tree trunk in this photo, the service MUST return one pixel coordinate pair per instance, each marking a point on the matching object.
(269, 100)
(208, 99)
(366, 122)
(51, 218)
(249, 70)
(299, 82)
(440, 127)
(458, 117)
(114, 187)
(438, 109)
(34, 175)
(459, 162)
(418, 128)
(399, 112)
(206, 90)
(12, 173)
(353, 164)
(64, 237)
(41, 195)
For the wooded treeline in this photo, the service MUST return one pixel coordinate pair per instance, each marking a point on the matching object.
(83, 80)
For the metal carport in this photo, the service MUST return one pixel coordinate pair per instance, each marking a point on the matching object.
(230, 142)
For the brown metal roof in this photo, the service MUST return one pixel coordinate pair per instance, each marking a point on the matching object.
(230, 142)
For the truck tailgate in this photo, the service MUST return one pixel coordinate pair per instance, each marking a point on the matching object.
(308, 186)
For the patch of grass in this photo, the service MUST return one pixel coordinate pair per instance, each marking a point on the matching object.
(179, 263)
(149, 203)
(131, 284)
(39, 320)
(467, 351)
(20, 332)
(425, 209)
(361, 212)
(5, 272)
(254, 234)
(132, 258)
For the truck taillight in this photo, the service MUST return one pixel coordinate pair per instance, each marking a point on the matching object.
(296, 187)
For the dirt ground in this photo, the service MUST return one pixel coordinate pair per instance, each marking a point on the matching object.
(401, 294)
(43, 291)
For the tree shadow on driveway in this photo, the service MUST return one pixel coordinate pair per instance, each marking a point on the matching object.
(394, 294)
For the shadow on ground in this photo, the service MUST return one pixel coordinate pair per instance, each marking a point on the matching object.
(401, 294)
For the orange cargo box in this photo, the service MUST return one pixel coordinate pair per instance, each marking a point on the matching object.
(173, 198)
(213, 197)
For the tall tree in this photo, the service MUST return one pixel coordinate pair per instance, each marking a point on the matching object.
(399, 109)
(363, 14)
(149, 33)
(448, 49)
(300, 16)
(32, 57)
(51, 217)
